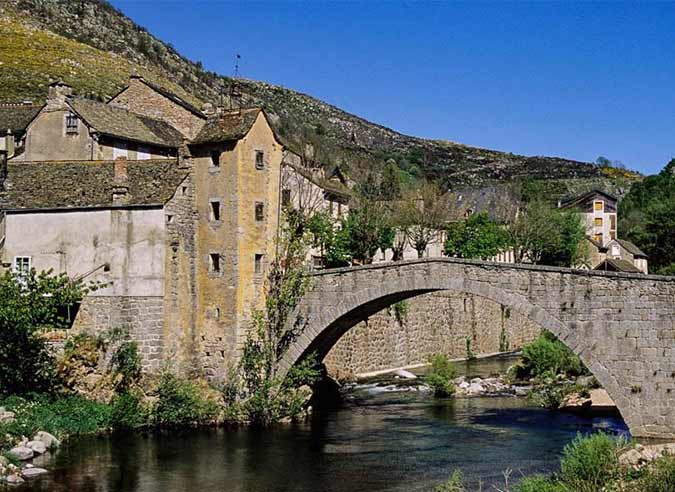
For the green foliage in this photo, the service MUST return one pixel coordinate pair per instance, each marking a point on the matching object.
(327, 236)
(66, 416)
(470, 355)
(180, 403)
(127, 411)
(477, 237)
(365, 230)
(659, 477)
(647, 218)
(549, 356)
(390, 184)
(441, 375)
(401, 311)
(125, 360)
(29, 306)
(454, 484)
(590, 463)
(540, 483)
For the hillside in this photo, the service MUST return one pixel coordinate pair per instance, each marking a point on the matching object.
(94, 47)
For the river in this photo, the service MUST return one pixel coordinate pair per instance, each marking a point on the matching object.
(379, 441)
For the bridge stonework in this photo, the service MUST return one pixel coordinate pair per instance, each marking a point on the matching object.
(621, 325)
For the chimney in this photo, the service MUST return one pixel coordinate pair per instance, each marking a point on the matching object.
(209, 110)
(120, 193)
(58, 93)
(7, 144)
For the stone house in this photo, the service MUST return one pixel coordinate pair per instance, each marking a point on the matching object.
(14, 118)
(606, 251)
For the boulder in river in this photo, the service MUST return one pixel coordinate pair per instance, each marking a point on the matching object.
(14, 479)
(22, 453)
(49, 440)
(33, 472)
(37, 446)
(402, 373)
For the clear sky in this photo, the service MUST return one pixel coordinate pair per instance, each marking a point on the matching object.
(576, 80)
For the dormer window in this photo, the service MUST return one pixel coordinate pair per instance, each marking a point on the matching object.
(71, 124)
(259, 159)
(599, 206)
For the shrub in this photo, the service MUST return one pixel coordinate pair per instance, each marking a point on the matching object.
(540, 483)
(589, 463)
(548, 355)
(128, 412)
(659, 477)
(441, 376)
(453, 485)
(181, 403)
(126, 362)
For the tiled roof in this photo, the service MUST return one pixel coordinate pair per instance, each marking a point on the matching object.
(569, 201)
(232, 125)
(84, 184)
(614, 265)
(16, 117)
(173, 97)
(631, 248)
(112, 120)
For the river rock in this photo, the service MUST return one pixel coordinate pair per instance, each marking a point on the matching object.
(22, 453)
(402, 373)
(14, 479)
(641, 455)
(475, 388)
(33, 472)
(6, 416)
(586, 381)
(49, 440)
(38, 446)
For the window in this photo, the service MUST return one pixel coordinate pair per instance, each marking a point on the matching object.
(259, 211)
(215, 211)
(214, 262)
(169, 219)
(612, 222)
(259, 263)
(616, 251)
(598, 222)
(22, 265)
(71, 124)
(259, 159)
(599, 206)
(285, 197)
(598, 238)
(215, 158)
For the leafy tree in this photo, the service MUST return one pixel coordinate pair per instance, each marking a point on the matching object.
(365, 230)
(425, 214)
(390, 184)
(476, 237)
(603, 161)
(30, 305)
(441, 375)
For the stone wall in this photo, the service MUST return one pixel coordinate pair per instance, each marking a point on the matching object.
(450, 323)
(142, 316)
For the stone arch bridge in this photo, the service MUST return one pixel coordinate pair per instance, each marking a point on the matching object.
(621, 325)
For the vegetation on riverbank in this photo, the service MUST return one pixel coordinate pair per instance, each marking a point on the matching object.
(441, 376)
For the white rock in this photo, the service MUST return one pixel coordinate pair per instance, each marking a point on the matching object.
(464, 385)
(22, 452)
(14, 479)
(402, 373)
(37, 446)
(475, 388)
(49, 440)
(33, 472)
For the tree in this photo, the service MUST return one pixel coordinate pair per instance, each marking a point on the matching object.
(603, 162)
(365, 230)
(425, 212)
(30, 305)
(390, 184)
(476, 237)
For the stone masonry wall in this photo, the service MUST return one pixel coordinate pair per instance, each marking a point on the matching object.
(450, 323)
(142, 316)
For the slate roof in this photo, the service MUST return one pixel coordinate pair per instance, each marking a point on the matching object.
(631, 248)
(87, 184)
(569, 201)
(173, 97)
(16, 117)
(233, 125)
(614, 265)
(114, 121)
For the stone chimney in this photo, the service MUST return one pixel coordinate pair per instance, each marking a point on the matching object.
(58, 93)
(7, 144)
(120, 193)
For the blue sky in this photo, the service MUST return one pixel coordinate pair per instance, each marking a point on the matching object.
(576, 80)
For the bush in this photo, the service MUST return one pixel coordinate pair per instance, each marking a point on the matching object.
(181, 403)
(453, 485)
(441, 376)
(659, 477)
(128, 412)
(540, 483)
(547, 355)
(589, 463)
(126, 363)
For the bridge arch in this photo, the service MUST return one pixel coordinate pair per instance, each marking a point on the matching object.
(606, 334)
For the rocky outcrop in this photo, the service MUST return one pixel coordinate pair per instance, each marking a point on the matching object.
(640, 455)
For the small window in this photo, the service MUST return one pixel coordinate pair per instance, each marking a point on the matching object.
(259, 211)
(285, 197)
(183, 190)
(259, 263)
(71, 124)
(215, 158)
(215, 211)
(214, 262)
(616, 251)
(259, 159)
(169, 219)
(598, 222)
(339, 210)
(22, 265)
(598, 238)
(599, 206)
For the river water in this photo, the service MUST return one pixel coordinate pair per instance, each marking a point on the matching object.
(380, 441)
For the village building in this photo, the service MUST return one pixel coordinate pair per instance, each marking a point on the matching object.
(606, 251)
